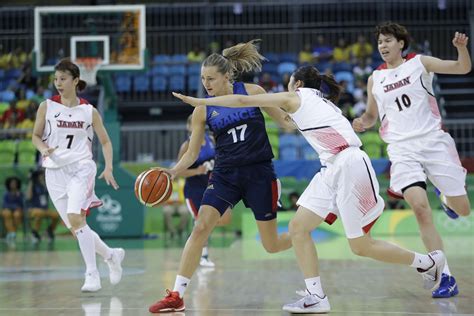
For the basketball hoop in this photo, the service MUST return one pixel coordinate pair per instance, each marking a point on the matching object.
(89, 67)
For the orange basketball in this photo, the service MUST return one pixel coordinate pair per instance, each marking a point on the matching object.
(153, 187)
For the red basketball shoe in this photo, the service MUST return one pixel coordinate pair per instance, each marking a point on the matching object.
(170, 303)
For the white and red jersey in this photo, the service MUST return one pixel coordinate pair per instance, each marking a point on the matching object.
(323, 125)
(405, 100)
(69, 130)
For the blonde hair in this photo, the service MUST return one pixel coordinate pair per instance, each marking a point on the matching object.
(243, 57)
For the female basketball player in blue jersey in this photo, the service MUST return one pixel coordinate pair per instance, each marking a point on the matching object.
(243, 168)
(346, 187)
(197, 177)
(63, 133)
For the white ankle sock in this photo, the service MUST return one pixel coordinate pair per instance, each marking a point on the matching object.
(422, 261)
(181, 284)
(205, 252)
(87, 246)
(446, 268)
(313, 286)
(101, 247)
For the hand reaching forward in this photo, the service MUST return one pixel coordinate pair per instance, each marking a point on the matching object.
(189, 100)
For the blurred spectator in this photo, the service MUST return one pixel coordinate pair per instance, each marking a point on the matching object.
(361, 50)
(283, 86)
(176, 206)
(22, 102)
(394, 204)
(214, 47)
(322, 52)
(306, 55)
(30, 117)
(12, 116)
(40, 95)
(267, 83)
(293, 198)
(342, 52)
(27, 79)
(346, 102)
(360, 105)
(38, 202)
(12, 211)
(3, 58)
(362, 70)
(18, 57)
(196, 55)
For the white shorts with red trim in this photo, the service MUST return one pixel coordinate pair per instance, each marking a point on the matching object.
(71, 188)
(347, 188)
(434, 157)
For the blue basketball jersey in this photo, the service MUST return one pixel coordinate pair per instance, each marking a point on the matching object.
(206, 154)
(241, 137)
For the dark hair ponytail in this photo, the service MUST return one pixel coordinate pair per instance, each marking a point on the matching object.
(66, 65)
(311, 78)
(81, 85)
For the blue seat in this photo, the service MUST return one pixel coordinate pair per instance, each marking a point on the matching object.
(341, 66)
(177, 83)
(178, 70)
(194, 69)
(161, 59)
(179, 59)
(7, 96)
(289, 146)
(52, 61)
(272, 58)
(323, 66)
(29, 94)
(13, 73)
(288, 58)
(2, 74)
(141, 83)
(194, 82)
(346, 76)
(123, 83)
(271, 68)
(284, 68)
(160, 70)
(308, 152)
(159, 84)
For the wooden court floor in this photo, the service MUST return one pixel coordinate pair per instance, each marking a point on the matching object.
(47, 282)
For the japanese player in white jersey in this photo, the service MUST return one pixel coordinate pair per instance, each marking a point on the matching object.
(400, 93)
(346, 186)
(63, 133)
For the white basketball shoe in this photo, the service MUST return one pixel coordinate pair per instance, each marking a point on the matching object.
(311, 303)
(115, 265)
(432, 276)
(92, 282)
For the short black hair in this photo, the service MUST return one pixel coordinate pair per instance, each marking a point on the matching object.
(398, 31)
(9, 180)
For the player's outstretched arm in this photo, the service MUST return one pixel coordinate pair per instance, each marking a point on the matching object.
(455, 67)
(107, 150)
(278, 100)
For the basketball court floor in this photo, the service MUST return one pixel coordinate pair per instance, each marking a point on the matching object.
(246, 281)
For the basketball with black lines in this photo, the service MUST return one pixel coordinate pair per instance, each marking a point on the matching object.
(153, 187)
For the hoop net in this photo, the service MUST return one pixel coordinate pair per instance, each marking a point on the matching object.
(89, 67)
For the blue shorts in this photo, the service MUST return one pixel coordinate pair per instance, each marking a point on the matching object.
(255, 184)
(193, 199)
